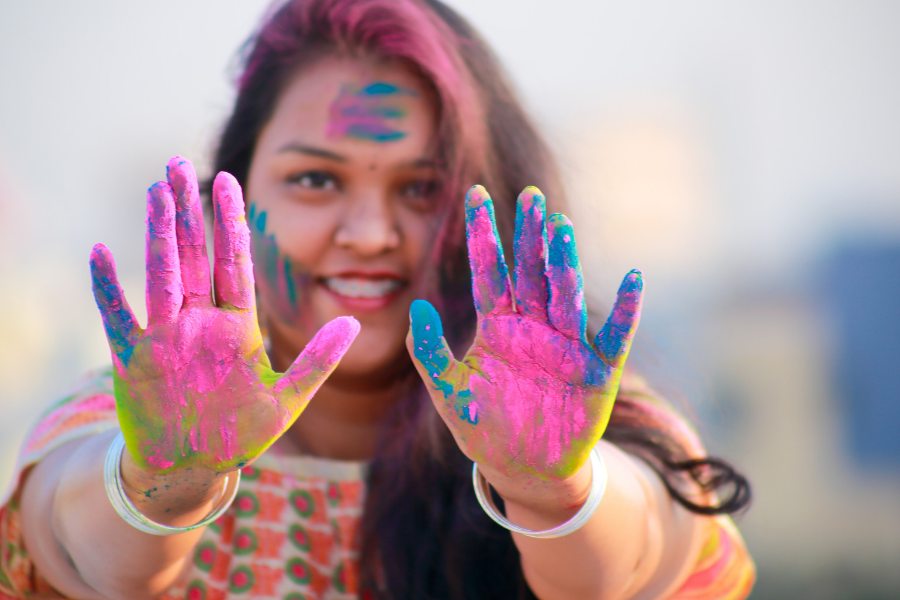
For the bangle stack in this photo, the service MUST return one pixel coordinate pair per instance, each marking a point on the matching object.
(112, 478)
(598, 486)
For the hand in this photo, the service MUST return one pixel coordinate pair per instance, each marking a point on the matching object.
(532, 396)
(196, 388)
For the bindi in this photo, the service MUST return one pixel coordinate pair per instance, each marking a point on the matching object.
(369, 113)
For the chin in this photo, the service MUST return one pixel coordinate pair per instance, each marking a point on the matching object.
(375, 355)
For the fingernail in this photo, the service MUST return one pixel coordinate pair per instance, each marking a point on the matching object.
(633, 282)
(531, 197)
(427, 333)
(180, 172)
(477, 197)
(176, 161)
(225, 186)
(425, 319)
(562, 252)
(160, 208)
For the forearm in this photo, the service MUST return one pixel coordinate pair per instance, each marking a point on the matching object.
(86, 549)
(635, 545)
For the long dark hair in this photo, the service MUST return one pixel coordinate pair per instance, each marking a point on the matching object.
(423, 534)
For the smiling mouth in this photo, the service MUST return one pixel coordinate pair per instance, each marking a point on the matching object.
(363, 287)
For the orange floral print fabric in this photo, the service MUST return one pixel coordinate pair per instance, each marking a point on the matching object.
(292, 532)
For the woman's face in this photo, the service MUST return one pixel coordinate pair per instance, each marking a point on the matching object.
(341, 208)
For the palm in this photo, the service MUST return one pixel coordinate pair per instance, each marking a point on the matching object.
(166, 386)
(195, 388)
(548, 380)
(532, 395)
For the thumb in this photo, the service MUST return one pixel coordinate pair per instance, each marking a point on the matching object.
(429, 349)
(320, 357)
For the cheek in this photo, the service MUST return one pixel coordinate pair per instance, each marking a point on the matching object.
(282, 280)
(381, 340)
(420, 230)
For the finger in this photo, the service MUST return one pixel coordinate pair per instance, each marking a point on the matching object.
(320, 357)
(233, 267)
(435, 363)
(566, 308)
(430, 352)
(189, 231)
(490, 278)
(118, 320)
(164, 291)
(614, 340)
(530, 248)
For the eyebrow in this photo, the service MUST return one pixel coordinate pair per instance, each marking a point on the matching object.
(312, 151)
(419, 163)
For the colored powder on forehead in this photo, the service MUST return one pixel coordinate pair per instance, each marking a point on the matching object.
(365, 113)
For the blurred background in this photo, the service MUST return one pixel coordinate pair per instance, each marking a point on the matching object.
(745, 155)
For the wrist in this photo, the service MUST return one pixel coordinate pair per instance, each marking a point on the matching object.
(174, 497)
(548, 501)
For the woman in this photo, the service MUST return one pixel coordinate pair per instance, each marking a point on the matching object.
(357, 128)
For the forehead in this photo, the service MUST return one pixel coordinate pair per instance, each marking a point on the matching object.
(354, 103)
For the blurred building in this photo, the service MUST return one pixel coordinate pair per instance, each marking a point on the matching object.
(862, 290)
(824, 523)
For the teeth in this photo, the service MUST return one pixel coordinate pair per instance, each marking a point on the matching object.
(359, 287)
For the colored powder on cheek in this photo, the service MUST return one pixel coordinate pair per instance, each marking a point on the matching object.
(364, 113)
(281, 279)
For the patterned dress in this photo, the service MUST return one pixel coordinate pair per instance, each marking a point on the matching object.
(293, 530)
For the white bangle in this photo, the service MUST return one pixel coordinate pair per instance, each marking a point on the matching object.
(598, 486)
(112, 478)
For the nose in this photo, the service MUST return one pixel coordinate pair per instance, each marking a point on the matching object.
(369, 226)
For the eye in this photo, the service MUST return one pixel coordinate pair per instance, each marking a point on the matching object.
(314, 180)
(419, 189)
